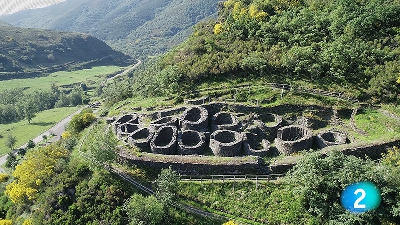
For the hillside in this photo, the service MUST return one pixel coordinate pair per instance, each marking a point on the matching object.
(136, 27)
(347, 46)
(27, 52)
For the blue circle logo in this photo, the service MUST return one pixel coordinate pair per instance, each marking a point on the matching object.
(360, 197)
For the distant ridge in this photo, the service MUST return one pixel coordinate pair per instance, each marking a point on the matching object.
(136, 27)
(9, 7)
(33, 52)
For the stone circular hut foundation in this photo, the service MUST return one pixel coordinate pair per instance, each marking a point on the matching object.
(124, 130)
(272, 123)
(226, 143)
(129, 118)
(164, 121)
(191, 142)
(330, 138)
(253, 146)
(195, 118)
(141, 138)
(293, 138)
(164, 140)
(224, 121)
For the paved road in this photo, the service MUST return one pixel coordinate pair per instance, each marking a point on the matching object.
(126, 71)
(59, 128)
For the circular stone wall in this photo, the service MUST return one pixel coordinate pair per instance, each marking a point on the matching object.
(292, 139)
(164, 140)
(272, 123)
(191, 143)
(129, 118)
(224, 121)
(141, 138)
(330, 138)
(195, 118)
(226, 143)
(253, 146)
(164, 121)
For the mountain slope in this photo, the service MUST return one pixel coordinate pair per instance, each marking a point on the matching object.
(347, 46)
(155, 24)
(28, 52)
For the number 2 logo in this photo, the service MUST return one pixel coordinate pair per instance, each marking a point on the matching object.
(360, 197)
(357, 202)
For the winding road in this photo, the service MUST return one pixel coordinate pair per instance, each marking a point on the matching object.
(59, 128)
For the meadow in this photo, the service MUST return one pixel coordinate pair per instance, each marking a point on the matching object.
(61, 78)
(24, 131)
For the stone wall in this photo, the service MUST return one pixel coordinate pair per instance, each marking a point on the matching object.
(293, 138)
(191, 143)
(226, 143)
(181, 165)
(195, 118)
(164, 141)
(329, 138)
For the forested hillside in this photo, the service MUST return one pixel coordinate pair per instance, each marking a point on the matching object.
(345, 45)
(139, 28)
(30, 52)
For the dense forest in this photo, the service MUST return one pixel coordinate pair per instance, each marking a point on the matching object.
(347, 45)
(34, 52)
(138, 28)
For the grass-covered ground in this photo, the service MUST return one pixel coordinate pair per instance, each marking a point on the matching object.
(24, 131)
(266, 203)
(88, 76)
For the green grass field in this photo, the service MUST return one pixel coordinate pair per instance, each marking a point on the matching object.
(60, 78)
(23, 131)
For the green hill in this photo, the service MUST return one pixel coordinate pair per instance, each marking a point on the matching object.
(137, 27)
(30, 52)
(344, 46)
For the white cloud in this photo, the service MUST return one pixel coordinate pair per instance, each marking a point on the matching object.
(13, 6)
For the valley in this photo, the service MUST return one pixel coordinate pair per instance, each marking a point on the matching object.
(231, 112)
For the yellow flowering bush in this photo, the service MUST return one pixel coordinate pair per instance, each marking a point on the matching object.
(230, 222)
(30, 174)
(3, 177)
(5, 222)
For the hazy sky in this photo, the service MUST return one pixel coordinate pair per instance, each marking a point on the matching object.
(12, 6)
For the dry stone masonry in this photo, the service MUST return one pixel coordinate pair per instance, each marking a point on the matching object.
(195, 118)
(330, 138)
(191, 142)
(164, 141)
(226, 143)
(141, 138)
(221, 129)
(293, 138)
(224, 121)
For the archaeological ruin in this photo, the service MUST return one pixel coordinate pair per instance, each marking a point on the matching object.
(222, 130)
(164, 140)
(191, 142)
(293, 138)
(226, 143)
(331, 138)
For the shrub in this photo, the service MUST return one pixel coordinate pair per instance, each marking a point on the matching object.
(3, 177)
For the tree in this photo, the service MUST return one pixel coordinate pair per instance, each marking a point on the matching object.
(80, 121)
(319, 180)
(11, 141)
(33, 173)
(103, 147)
(144, 210)
(31, 144)
(167, 186)
(11, 160)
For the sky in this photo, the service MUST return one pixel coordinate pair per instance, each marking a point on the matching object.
(13, 6)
